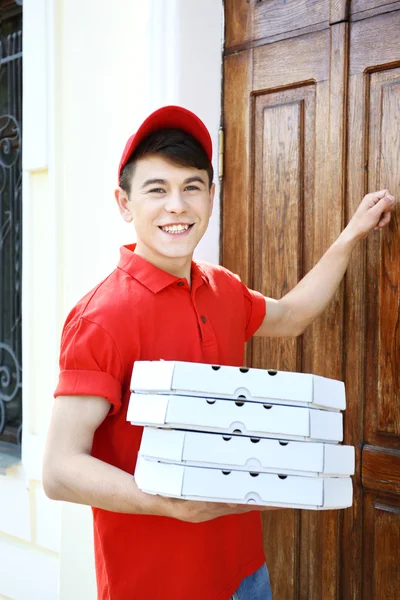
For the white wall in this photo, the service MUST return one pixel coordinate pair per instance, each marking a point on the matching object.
(141, 56)
(186, 70)
(92, 73)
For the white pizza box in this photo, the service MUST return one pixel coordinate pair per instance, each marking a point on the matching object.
(258, 385)
(227, 416)
(241, 487)
(246, 453)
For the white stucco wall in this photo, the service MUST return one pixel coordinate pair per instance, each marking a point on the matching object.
(92, 73)
(141, 55)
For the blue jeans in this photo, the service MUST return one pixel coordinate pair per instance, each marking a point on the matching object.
(255, 587)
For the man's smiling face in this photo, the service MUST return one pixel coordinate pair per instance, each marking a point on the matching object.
(170, 207)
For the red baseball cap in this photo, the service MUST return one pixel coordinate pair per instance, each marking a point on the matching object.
(168, 117)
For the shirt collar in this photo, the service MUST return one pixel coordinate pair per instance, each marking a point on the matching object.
(150, 276)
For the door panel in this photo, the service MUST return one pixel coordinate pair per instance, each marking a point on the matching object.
(254, 20)
(383, 341)
(237, 204)
(287, 111)
(381, 470)
(309, 60)
(381, 548)
(357, 6)
(274, 18)
(285, 123)
(374, 109)
(312, 124)
(293, 185)
(374, 41)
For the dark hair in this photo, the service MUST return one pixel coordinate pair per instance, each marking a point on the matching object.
(176, 146)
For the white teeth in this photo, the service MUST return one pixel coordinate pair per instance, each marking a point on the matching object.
(175, 228)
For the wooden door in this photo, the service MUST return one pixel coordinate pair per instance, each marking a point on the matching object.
(312, 123)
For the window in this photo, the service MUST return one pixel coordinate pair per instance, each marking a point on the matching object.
(10, 220)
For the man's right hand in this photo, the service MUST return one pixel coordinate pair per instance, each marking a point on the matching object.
(195, 511)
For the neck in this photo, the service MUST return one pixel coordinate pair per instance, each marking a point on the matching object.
(179, 267)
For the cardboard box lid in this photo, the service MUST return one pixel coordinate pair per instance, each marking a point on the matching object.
(227, 416)
(215, 485)
(246, 453)
(258, 385)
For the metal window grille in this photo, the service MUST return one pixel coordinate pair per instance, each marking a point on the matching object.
(10, 221)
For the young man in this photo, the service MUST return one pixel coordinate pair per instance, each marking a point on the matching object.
(160, 304)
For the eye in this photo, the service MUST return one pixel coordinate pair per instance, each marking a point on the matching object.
(156, 191)
(192, 188)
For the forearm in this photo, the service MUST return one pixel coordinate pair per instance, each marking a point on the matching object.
(83, 479)
(71, 474)
(311, 296)
(86, 480)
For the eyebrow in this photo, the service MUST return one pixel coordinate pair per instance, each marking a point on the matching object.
(153, 181)
(195, 178)
(164, 181)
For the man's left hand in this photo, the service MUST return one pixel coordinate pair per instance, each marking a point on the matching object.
(373, 213)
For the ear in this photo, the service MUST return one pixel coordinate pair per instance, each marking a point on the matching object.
(123, 202)
(212, 194)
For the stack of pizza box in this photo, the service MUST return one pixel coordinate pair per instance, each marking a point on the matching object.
(239, 435)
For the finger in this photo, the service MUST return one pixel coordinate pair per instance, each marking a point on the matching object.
(384, 205)
(381, 194)
(384, 220)
(391, 203)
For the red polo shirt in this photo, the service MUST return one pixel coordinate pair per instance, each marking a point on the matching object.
(142, 313)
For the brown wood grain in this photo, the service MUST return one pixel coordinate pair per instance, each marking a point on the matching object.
(366, 346)
(279, 130)
(389, 296)
(363, 5)
(284, 129)
(354, 326)
(274, 17)
(339, 11)
(323, 341)
(337, 121)
(318, 531)
(293, 61)
(278, 182)
(278, 202)
(319, 126)
(238, 22)
(383, 354)
(236, 205)
(325, 357)
(375, 42)
(367, 14)
(381, 548)
(251, 21)
(283, 529)
(381, 469)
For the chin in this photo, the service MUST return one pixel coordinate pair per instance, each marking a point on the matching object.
(176, 252)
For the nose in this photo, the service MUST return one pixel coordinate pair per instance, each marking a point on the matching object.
(175, 203)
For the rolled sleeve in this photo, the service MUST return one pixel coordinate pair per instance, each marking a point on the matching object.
(90, 363)
(255, 311)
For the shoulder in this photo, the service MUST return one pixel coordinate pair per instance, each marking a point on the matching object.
(218, 275)
(107, 303)
(220, 278)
